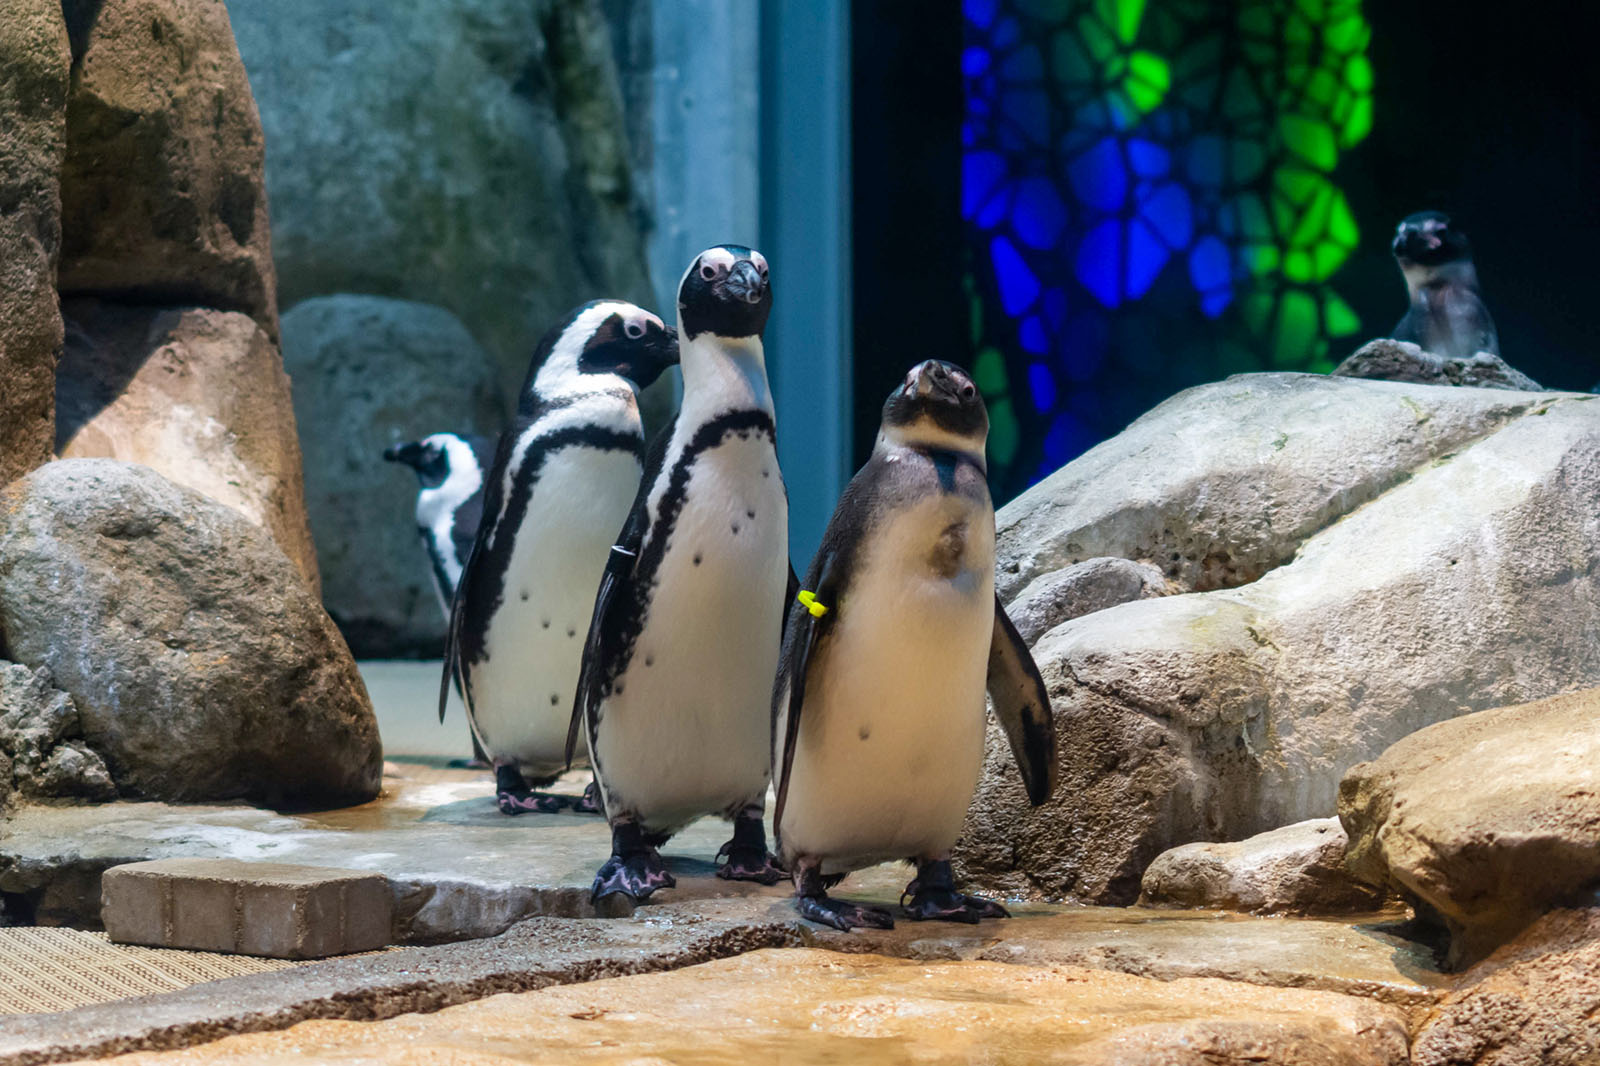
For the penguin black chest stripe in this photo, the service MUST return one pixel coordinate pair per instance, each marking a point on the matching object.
(630, 622)
(488, 576)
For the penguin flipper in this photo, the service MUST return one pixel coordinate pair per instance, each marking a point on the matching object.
(807, 629)
(1022, 704)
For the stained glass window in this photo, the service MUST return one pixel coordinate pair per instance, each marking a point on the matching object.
(1148, 190)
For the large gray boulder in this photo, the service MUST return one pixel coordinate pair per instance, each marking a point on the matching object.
(1488, 820)
(162, 194)
(1399, 555)
(198, 395)
(201, 665)
(370, 372)
(468, 154)
(35, 65)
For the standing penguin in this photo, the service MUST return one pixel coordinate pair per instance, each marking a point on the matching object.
(878, 713)
(450, 471)
(563, 477)
(1447, 315)
(678, 667)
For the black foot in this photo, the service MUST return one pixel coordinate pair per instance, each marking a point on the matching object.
(635, 868)
(745, 857)
(590, 803)
(526, 801)
(842, 916)
(933, 897)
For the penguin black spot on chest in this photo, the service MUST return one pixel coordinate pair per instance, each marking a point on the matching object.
(949, 551)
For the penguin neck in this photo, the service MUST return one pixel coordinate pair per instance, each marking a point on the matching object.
(723, 374)
(1423, 280)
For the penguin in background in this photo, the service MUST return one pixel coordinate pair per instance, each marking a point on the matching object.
(683, 644)
(450, 469)
(564, 474)
(878, 706)
(1447, 315)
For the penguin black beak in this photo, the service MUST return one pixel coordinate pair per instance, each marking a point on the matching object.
(409, 454)
(744, 282)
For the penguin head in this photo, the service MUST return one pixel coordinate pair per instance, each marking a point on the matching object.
(429, 457)
(727, 292)
(937, 406)
(1427, 239)
(603, 346)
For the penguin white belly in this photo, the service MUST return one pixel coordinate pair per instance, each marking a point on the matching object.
(686, 730)
(523, 689)
(891, 734)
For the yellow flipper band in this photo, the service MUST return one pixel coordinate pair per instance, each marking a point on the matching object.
(808, 600)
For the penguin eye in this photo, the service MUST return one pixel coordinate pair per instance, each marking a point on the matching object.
(708, 271)
(634, 330)
(967, 391)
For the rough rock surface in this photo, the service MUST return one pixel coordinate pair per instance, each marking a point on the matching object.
(161, 190)
(1489, 819)
(1535, 1002)
(1298, 869)
(469, 154)
(1392, 360)
(1080, 589)
(370, 372)
(1224, 482)
(34, 69)
(201, 665)
(1419, 535)
(197, 395)
(42, 753)
(808, 1005)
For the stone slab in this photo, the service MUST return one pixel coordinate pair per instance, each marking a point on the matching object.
(1363, 959)
(457, 867)
(275, 910)
(822, 1006)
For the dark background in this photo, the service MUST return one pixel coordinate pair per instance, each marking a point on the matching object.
(1489, 116)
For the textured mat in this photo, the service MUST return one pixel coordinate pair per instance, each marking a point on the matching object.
(44, 970)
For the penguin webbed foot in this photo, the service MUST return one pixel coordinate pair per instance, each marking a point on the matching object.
(745, 857)
(527, 801)
(635, 868)
(933, 897)
(842, 916)
(590, 803)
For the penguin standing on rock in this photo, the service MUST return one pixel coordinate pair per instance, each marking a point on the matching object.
(678, 667)
(878, 709)
(450, 471)
(1447, 315)
(564, 474)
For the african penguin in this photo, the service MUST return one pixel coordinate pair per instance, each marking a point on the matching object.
(878, 709)
(564, 474)
(1447, 315)
(678, 666)
(450, 468)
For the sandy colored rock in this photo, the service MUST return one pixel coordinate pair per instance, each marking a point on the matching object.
(369, 373)
(34, 68)
(201, 665)
(199, 396)
(1535, 1002)
(1080, 589)
(1221, 714)
(471, 155)
(1489, 819)
(161, 189)
(811, 1005)
(1392, 360)
(1298, 869)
